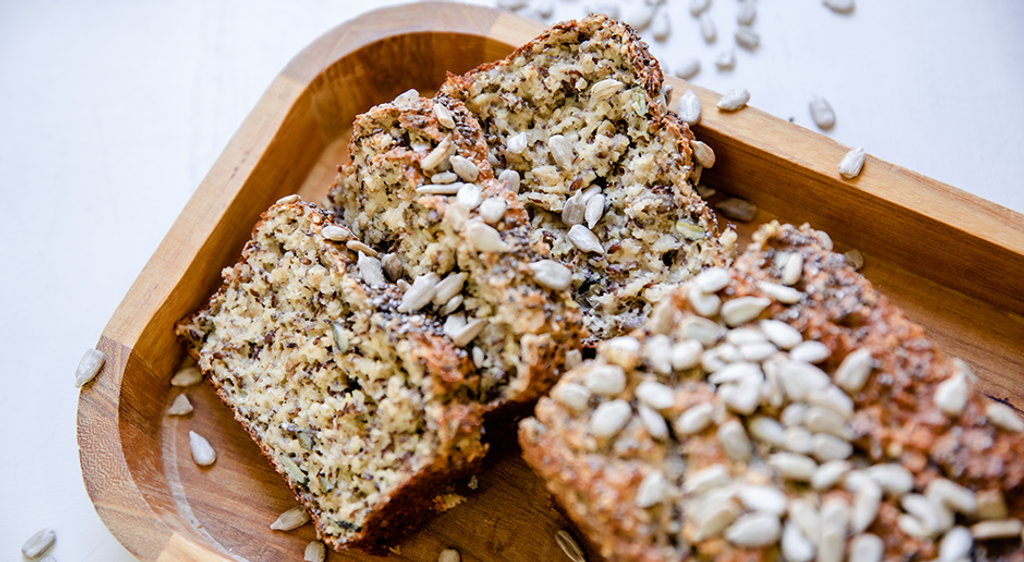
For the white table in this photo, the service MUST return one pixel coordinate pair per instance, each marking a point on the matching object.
(113, 111)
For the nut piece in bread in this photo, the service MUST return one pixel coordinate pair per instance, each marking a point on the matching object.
(579, 114)
(801, 415)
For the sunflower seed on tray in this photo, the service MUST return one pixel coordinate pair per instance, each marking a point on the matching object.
(737, 209)
(703, 153)
(734, 99)
(851, 164)
(291, 519)
(90, 366)
(854, 259)
(180, 407)
(569, 546)
(315, 551)
(187, 377)
(689, 108)
(202, 452)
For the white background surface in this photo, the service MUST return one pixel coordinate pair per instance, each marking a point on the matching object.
(112, 112)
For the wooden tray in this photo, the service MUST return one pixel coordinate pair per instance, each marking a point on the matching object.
(952, 261)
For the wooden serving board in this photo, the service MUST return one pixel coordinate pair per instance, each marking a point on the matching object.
(952, 261)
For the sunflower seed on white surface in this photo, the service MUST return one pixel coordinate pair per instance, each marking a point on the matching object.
(551, 274)
(956, 544)
(38, 543)
(737, 209)
(1003, 417)
(639, 16)
(420, 293)
(689, 107)
(697, 7)
(726, 60)
(187, 377)
(516, 144)
(315, 551)
(821, 112)
(569, 546)
(747, 12)
(795, 546)
(703, 153)
(688, 68)
(511, 179)
(513, 5)
(743, 309)
(89, 366)
(734, 99)
(707, 28)
(652, 490)
(180, 407)
(851, 164)
(202, 452)
(291, 519)
(484, 237)
(584, 239)
(747, 38)
(866, 548)
(609, 418)
(841, 6)
(661, 27)
(469, 194)
(695, 419)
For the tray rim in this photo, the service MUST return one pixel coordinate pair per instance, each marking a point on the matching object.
(113, 490)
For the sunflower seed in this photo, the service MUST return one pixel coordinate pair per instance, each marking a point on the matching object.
(452, 305)
(340, 337)
(703, 153)
(851, 164)
(833, 399)
(180, 407)
(804, 514)
(584, 240)
(735, 441)
(511, 179)
(854, 259)
(448, 287)
(186, 377)
(795, 547)
(444, 117)
(781, 333)
(605, 89)
(825, 447)
(781, 293)
(690, 231)
(822, 112)
(315, 551)
(695, 419)
(835, 516)
(810, 352)
(952, 495)
(439, 189)
(655, 424)
(766, 499)
(609, 418)
(865, 506)
(420, 293)
(956, 544)
(852, 374)
(742, 397)
(561, 150)
(639, 17)
(758, 352)
(689, 104)
(841, 6)
(288, 199)
(697, 7)
(484, 237)
(745, 336)
(440, 153)
(406, 98)
(951, 395)
(371, 271)
(737, 209)
(799, 440)
(747, 38)
(707, 28)
(866, 548)
(800, 379)
(701, 329)
(793, 269)
(822, 420)
(357, 246)
(470, 195)
(449, 555)
(291, 519)
(829, 474)
(517, 143)
(991, 504)
(715, 518)
(38, 543)
(1003, 417)
(465, 168)
(461, 331)
(569, 546)
(571, 395)
(923, 510)
(336, 233)
(688, 68)
(743, 309)
(705, 479)
(551, 274)
(574, 211)
(655, 395)
(747, 13)
(893, 478)
(652, 490)
(726, 60)
(705, 304)
(793, 467)
(912, 526)
(202, 453)
(90, 366)
(767, 430)
(734, 99)
(754, 529)
(594, 210)
(605, 379)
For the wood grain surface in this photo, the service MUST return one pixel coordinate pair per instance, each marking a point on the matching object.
(952, 261)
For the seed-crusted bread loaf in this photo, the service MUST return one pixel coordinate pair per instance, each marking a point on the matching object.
(368, 412)
(577, 119)
(420, 192)
(781, 409)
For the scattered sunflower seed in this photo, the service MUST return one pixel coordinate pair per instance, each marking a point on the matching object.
(851, 164)
(443, 178)
(90, 366)
(726, 60)
(406, 98)
(569, 546)
(690, 231)
(747, 13)
(747, 38)
(854, 259)
(734, 99)
(187, 377)
(315, 551)
(737, 209)
(444, 117)
(202, 452)
(951, 395)
(688, 68)
(703, 153)
(584, 239)
(652, 490)
(689, 108)
(707, 28)
(180, 407)
(998, 529)
(1003, 417)
(822, 113)
(661, 27)
(706, 192)
(511, 179)
(841, 6)
(38, 543)
(291, 519)
(449, 555)
(370, 270)
(697, 7)
(517, 143)
(420, 293)
(448, 287)
(551, 274)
